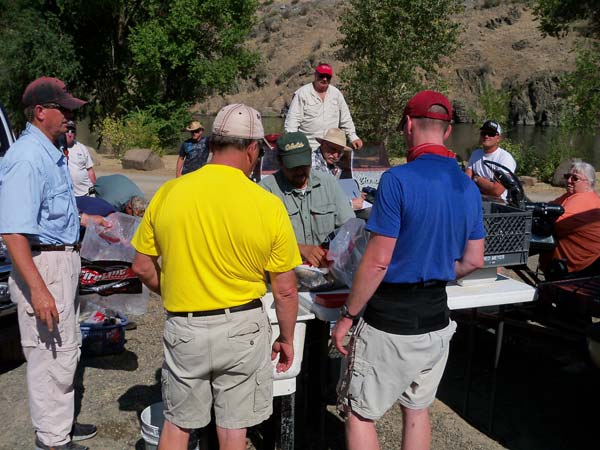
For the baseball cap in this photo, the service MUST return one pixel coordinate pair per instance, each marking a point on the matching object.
(194, 125)
(294, 150)
(419, 106)
(490, 125)
(238, 120)
(71, 125)
(324, 69)
(50, 90)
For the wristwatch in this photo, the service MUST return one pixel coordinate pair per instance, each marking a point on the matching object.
(345, 313)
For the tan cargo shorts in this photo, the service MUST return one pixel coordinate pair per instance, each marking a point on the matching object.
(222, 361)
(382, 368)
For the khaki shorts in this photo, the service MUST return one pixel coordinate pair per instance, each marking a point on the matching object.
(222, 361)
(382, 368)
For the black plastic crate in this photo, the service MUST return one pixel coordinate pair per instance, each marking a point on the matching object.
(508, 231)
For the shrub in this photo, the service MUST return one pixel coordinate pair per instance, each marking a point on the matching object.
(155, 127)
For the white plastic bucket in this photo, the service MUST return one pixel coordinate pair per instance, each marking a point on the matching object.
(152, 421)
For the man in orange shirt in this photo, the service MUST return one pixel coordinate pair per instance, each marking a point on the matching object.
(578, 230)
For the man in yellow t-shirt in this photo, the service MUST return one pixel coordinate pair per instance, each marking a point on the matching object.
(217, 233)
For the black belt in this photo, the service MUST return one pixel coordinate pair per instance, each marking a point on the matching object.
(55, 248)
(410, 286)
(256, 303)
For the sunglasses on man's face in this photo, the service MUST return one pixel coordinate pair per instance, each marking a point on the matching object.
(324, 76)
(488, 133)
(573, 176)
(199, 130)
(62, 109)
(70, 132)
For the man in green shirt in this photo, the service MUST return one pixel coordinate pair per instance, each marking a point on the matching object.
(314, 201)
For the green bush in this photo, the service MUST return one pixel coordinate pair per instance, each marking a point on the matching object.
(495, 105)
(156, 127)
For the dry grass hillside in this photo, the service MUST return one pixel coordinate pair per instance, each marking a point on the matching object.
(498, 43)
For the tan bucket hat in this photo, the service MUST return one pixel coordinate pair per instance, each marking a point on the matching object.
(194, 125)
(335, 136)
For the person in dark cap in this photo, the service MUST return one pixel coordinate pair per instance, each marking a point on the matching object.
(490, 135)
(423, 235)
(319, 106)
(81, 165)
(39, 223)
(314, 200)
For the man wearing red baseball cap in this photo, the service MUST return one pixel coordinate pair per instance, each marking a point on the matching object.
(39, 223)
(319, 106)
(426, 229)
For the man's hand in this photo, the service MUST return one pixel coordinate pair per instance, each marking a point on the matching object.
(469, 172)
(313, 254)
(44, 307)
(342, 326)
(285, 351)
(357, 203)
(357, 144)
(87, 219)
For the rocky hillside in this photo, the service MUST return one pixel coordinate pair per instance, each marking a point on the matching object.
(500, 47)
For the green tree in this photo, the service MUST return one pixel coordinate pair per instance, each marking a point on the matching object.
(393, 49)
(32, 44)
(557, 16)
(126, 55)
(582, 90)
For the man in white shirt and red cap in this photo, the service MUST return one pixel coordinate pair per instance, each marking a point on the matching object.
(318, 106)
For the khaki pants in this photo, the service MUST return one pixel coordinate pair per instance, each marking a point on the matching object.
(51, 356)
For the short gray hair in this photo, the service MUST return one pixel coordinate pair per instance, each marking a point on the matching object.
(138, 204)
(585, 169)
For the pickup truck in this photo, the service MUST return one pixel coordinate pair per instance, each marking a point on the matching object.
(6, 140)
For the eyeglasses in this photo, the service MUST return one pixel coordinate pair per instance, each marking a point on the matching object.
(488, 133)
(70, 132)
(62, 109)
(323, 75)
(575, 177)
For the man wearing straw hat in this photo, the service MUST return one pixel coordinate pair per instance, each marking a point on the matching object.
(193, 153)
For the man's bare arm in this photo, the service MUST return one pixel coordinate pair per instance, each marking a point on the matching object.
(472, 258)
(146, 267)
(179, 166)
(369, 276)
(285, 293)
(42, 301)
(488, 187)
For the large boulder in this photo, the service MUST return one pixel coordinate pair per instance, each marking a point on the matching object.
(142, 159)
(558, 178)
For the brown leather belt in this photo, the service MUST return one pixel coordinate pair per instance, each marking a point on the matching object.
(256, 303)
(55, 248)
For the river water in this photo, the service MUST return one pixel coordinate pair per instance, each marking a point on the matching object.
(463, 139)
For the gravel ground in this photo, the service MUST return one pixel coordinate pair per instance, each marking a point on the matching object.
(534, 368)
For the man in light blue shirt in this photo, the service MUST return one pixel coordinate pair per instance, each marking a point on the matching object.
(39, 223)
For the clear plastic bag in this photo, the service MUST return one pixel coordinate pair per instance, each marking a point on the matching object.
(346, 250)
(111, 244)
(128, 304)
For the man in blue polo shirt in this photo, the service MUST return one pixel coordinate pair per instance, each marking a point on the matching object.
(426, 229)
